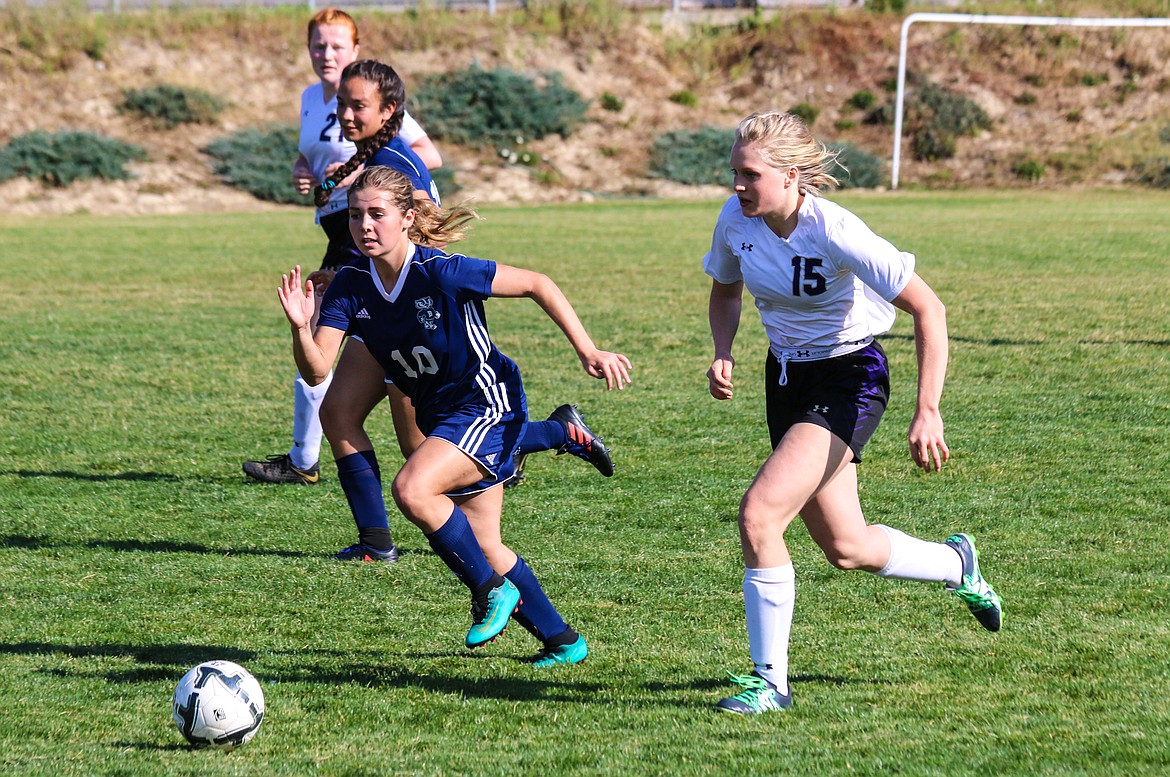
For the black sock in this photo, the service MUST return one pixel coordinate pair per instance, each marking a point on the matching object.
(376, 537)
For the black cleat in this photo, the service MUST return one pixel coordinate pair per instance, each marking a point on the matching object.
(280, 469)
(582, 443)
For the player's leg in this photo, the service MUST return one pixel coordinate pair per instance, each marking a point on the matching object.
(435, 469)
(300, 464)
(560, 643)
(803, 461)
(358, 386)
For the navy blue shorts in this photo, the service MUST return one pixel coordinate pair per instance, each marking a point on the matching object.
(845, 394)
(488, 433)
(341, 251)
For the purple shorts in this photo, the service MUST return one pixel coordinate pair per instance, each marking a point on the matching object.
(845, 394)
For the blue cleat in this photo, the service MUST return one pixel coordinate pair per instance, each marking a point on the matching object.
(489, 615)
(572, 653)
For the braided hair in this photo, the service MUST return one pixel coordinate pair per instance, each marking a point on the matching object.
(391, 91)
(433, 226)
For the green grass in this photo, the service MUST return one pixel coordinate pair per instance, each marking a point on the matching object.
(145, 357)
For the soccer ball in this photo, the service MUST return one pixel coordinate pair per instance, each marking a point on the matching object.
(218, 704)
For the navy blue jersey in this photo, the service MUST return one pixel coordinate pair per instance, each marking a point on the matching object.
(398, 156)
(428, 332)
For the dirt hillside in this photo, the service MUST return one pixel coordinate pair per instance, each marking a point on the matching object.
(1084, 105)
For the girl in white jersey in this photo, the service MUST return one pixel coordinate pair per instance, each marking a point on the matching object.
(825, 286)
(333, 44)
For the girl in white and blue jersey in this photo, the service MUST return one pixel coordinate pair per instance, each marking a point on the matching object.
(332, 39)
(825, 286)
(420, 311)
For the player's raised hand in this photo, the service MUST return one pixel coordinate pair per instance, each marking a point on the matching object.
(613, 367)
(297, 303)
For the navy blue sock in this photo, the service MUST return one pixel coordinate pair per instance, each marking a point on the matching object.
(543, 436)
(455, 543)
(536, 614)
(361, 480)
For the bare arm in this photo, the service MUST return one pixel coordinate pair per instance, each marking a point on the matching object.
(314, 354)
(515, 282)
(302, 176)
(928, 448)
(723, 312)
(427, 152)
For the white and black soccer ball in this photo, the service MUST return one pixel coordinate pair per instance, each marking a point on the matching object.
(218, 704)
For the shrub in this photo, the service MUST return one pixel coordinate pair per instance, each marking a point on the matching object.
(854, 167)
(862, 101)
(498, 107)
(693, 156)
(936, 117)
(612, 102)
(841, 125)
(1028, 169)
(685, 98)
(1154, 172)
(806, 112)
(259, 162)
(1164, 133)
(169, 106)
(61, 158)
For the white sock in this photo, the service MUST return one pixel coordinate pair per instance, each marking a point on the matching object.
(915, 559)
(769, 596)
(307, 434)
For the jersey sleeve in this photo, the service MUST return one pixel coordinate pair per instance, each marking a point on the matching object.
(873, 259)
(466, 277)
(337, 305)
(406, 162)
(721, 263)
(411, 131)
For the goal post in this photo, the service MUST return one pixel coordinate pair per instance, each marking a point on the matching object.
(962, 18)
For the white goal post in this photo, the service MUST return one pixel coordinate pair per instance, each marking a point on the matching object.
(962, 18)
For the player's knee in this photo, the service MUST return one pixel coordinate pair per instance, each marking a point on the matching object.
(338, 419)
(845, 554)
(407, 497)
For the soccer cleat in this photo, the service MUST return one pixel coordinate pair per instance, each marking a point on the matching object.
(280, 469)
(758, 695)
(361, 552)
(490, 614)
(981, 600)
(518, 476)
(573, 653)
(582, 442)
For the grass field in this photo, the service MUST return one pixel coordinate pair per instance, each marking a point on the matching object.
(144, 358)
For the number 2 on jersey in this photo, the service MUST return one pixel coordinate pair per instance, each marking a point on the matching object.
(424, 360)
(805, 277)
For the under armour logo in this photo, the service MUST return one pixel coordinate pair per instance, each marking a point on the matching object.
(803, 354)
(822, 409)
(746, 247)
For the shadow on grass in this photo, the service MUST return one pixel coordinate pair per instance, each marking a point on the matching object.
(180, 655)
(140, 546)
(146, 477)
(996, 341)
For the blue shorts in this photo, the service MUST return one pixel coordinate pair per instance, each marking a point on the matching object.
(845, 394)
(488, 434)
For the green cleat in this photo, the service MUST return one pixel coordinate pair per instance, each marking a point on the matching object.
(981, 600)
(573, 653)
(490, 614)
(758, 695)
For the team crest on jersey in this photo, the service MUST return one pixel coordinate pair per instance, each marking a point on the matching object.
(427, 315)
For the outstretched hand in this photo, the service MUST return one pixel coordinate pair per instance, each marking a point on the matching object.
(613, 367)
(297, 303)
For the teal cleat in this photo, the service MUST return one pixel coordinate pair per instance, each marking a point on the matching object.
(758, 695)
(490, 614)
(978, 595)
(573, 653)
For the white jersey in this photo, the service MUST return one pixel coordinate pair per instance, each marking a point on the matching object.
(824, 289)
(322, 143)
